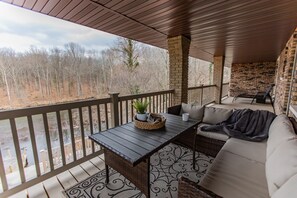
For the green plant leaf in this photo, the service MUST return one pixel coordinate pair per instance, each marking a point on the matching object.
(140, 107)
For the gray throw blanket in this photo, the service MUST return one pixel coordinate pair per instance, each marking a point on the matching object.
(245, 124)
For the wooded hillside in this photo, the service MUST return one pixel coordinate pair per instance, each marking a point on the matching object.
(47, 76)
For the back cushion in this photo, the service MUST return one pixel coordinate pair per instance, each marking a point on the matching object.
(195, 111)
(214, 115)
(280, 130)
(281, 165)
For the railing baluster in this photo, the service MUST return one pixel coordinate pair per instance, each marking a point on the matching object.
(17, 149)
(91, 126)
(106, 116)
(61, 140)
(150, 104)
(72, 134)
(127, 111)
(34, 148)
(201, 99)
(160, 98)
(162, 102)
(153, 102)
(167, 101)
(48, 141)
(131, 108)
(157, 104)
(82, 131)
(2, 174)
(99, 117)
(121, 112)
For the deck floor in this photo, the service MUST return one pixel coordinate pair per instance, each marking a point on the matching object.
(241, 103)
(54, 186)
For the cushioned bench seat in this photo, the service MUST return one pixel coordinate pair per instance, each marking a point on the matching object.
(232, 175)
(255, 151)
(213, 135)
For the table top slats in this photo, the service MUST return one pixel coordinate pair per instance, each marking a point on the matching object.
(129, 145)
(135, 144)
(119, 149)
(138, 136)
(157, 134)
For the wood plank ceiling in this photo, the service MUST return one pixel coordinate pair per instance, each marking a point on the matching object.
(242, 31)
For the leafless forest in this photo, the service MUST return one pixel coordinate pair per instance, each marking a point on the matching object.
(48, 76)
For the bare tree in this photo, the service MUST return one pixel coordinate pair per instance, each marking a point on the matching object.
(5, 66)
(75, 53)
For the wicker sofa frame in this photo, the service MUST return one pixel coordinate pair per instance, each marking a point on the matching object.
(203, 144)
(188, 188)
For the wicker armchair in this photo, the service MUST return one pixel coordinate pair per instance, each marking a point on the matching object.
(189, 189)
(187, 139)
(202, 144)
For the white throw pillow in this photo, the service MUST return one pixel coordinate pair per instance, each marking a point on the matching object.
(195, 111)
(281, 165)
(214, 115)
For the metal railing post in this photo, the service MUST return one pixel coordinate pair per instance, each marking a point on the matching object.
(114, 109)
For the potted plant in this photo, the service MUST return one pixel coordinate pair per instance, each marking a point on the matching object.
(140, 108)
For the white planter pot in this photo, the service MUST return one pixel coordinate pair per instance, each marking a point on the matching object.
(141, 117)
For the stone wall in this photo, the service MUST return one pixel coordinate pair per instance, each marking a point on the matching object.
(251, 77)
(284, 74)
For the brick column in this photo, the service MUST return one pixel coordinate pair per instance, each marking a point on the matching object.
(218, 71)
(285, 64)
(178, 48)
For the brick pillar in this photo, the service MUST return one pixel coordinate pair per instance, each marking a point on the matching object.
(285, 64)
(178, 48)
(218, 71)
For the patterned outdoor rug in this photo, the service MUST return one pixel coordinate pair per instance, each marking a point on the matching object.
(167, 166)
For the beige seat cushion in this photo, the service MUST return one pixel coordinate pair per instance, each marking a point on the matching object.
(280, 130)
(209, 134)
(255, 151)
(195, 111)
(214, 115)
(281, 165)
(288, 190)
(233, 176)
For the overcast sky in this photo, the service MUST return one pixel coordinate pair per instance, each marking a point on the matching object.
(21, 28)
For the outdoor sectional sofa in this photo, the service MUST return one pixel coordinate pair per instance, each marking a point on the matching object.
(244, 169)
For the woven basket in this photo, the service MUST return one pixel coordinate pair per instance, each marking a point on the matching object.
(148, 125)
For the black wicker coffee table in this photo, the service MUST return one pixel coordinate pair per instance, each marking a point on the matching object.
(127, 149)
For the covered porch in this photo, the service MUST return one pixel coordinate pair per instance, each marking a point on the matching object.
(55, 185)
(256, 39)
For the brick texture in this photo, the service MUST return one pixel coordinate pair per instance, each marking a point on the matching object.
(218, 72)
(251, 77)
(284, 74)
(178, 48)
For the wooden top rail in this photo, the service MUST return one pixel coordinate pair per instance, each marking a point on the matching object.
(205, 86)
(200, 87)
(50, 108)
(131, 97)
(72, 105)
